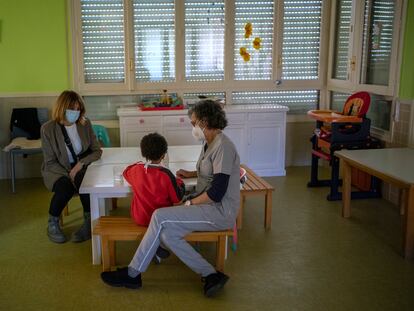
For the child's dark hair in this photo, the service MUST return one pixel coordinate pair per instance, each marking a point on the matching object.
(153, 146)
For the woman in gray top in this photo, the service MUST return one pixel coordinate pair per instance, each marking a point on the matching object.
(69, 146)
(213, 206)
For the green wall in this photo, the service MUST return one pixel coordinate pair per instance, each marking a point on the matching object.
(34, 50)
(33, 46)
(407, 67)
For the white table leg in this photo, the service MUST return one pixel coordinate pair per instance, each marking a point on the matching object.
(96, 204)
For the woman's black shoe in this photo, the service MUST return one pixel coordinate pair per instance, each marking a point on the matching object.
(214, 282)
(120, 278)
(161, 253)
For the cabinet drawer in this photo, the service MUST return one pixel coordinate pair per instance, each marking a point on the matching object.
(143, 122)
(266, 117)
(235, 118)
(177, 122)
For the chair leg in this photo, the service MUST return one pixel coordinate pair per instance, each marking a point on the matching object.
(66, 210)
(13, 171)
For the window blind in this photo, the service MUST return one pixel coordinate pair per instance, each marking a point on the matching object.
(260, 14)
(154, 39)
(377, 41)
(297, 101)
(338, 100)
(103, 40)
(343, 24)
(204, 40)
(301, 39)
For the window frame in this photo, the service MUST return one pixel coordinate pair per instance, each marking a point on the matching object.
(180, 85)
(352, 85)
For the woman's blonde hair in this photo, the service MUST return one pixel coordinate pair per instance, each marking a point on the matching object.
(67, 100)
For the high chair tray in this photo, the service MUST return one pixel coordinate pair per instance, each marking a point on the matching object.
(331, 116)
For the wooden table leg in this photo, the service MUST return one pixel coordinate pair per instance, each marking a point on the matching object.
(268, 210)
(346, 189)
(409, 225)
(403, 200)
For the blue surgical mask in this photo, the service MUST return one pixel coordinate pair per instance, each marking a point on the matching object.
(72, 115)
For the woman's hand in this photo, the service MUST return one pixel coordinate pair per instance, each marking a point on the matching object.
(186, 174)
(75, 170)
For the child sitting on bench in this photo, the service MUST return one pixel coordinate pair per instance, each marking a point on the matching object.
(153, 185)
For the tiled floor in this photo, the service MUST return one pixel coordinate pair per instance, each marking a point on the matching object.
(312, 259)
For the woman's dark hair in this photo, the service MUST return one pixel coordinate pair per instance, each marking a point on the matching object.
(211, 113)
(153, 146)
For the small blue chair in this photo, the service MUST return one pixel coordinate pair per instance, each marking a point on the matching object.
(102, 134)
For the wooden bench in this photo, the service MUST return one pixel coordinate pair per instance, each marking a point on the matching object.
(256, 185)
(113, 229)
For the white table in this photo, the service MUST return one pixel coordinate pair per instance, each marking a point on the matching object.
(393, 165)
(100, 185)
(129, 155)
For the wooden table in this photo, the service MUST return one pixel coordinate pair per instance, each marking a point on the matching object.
(393, 165)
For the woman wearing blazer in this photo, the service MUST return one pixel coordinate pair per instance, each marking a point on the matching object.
(69, 146)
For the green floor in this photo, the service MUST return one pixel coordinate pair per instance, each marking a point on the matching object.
(312, 259)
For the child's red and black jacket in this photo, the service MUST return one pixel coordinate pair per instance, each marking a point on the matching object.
(154, 186)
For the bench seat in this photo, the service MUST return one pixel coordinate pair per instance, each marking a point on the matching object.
(112, 228)
(255, 185)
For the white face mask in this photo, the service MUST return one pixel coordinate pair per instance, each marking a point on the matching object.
(198, 133)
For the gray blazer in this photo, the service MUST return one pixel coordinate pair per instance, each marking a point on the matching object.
(55, 157)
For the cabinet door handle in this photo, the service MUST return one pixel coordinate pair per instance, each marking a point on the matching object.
(182, 120)
(141, 121)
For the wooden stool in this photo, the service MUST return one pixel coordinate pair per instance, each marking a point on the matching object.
(256, 185)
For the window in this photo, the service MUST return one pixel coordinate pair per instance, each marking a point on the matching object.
(204, 40)
(377, 41)
(260, 15)
(343, 26)
(298, 101)
(364, 56)
(103, 40)
(154, 39)
(129, 47)
(365, 45)
(301, 39)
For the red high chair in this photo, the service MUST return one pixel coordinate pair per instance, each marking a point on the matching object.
(347, 130)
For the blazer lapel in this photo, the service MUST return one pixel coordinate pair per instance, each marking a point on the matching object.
(62, 146)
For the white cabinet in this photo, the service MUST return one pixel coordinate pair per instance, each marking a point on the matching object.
(236, 131)
(137, 127)
(266, 135)
(258, 132)
(177, 130)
